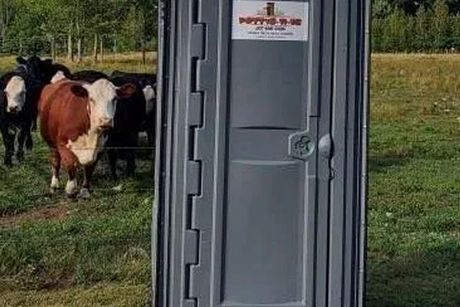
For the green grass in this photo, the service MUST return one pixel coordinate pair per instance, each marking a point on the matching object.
(414, 230)
(97, 252)
(56, 252)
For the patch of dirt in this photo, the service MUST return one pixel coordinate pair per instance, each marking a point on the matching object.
(57, 212)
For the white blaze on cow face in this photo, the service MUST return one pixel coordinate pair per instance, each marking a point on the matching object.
(15, 92)
(58, 77)
(149, 94)
(102, 103)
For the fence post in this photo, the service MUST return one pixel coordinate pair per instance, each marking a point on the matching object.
(144, 57)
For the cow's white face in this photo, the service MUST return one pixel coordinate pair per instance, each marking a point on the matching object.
(102, 103)
(58, 77)
(149, 94)
(15, 92)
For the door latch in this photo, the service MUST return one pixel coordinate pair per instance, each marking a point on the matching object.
(301, 145)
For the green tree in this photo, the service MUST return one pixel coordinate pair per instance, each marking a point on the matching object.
(441, 25)
(423, 30)
(394, 33)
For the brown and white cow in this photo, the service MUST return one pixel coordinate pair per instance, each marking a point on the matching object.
(74, 119)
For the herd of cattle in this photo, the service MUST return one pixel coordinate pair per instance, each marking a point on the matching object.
(80, 116)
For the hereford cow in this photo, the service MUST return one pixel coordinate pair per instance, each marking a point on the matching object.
(75, 118)
(19, 95)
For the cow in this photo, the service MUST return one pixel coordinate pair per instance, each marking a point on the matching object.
(19, 95)
(43, 70)
(143, 79)
(90, 76)
(75, 118)
(148, 84)
(129, 121)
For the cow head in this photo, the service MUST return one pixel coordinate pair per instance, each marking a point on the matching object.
(59, 76)
(150, 96)
(15, 92)
(103, 96)
(42, 70)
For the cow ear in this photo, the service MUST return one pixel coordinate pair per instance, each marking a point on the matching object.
(79, 91)
(126, 90)
(21, 60)
(48, 62)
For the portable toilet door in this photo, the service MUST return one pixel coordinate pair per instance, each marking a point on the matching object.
(261, 177)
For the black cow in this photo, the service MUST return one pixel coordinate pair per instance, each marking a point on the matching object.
(90, 76)
(19, 95)
(143, 79)
(148, 84)
(43, 70)
(129, 119)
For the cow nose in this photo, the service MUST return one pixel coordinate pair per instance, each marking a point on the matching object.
(14, 109)
(105, 123)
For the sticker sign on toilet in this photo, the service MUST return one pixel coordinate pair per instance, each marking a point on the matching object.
(270, 20)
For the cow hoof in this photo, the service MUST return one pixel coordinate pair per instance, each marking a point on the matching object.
(71, 189)
(84, 194)
(20, 156)
(71, 195)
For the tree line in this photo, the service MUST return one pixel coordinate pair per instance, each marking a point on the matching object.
(77, 27)
(416, 26)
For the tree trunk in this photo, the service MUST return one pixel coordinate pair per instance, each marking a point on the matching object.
(70, 47)
(101, 41)
(79, 50)
(79, 42)
(95, 49)
(53, 49)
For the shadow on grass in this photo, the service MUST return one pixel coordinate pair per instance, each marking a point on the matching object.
(426, 278)
(381, 162)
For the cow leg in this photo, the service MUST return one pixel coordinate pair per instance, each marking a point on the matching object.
(55, 160)
(34, 124)
(113, 158)
(24, 131)
(70, 163)
(88, 175)
(29, 141)
(130, 162)
(131, 154)
(8, 141)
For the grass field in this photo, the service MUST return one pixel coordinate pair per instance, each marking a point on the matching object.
(55, 253)
(414, 231)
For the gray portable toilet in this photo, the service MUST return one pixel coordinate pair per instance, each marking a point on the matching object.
(261, 164)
